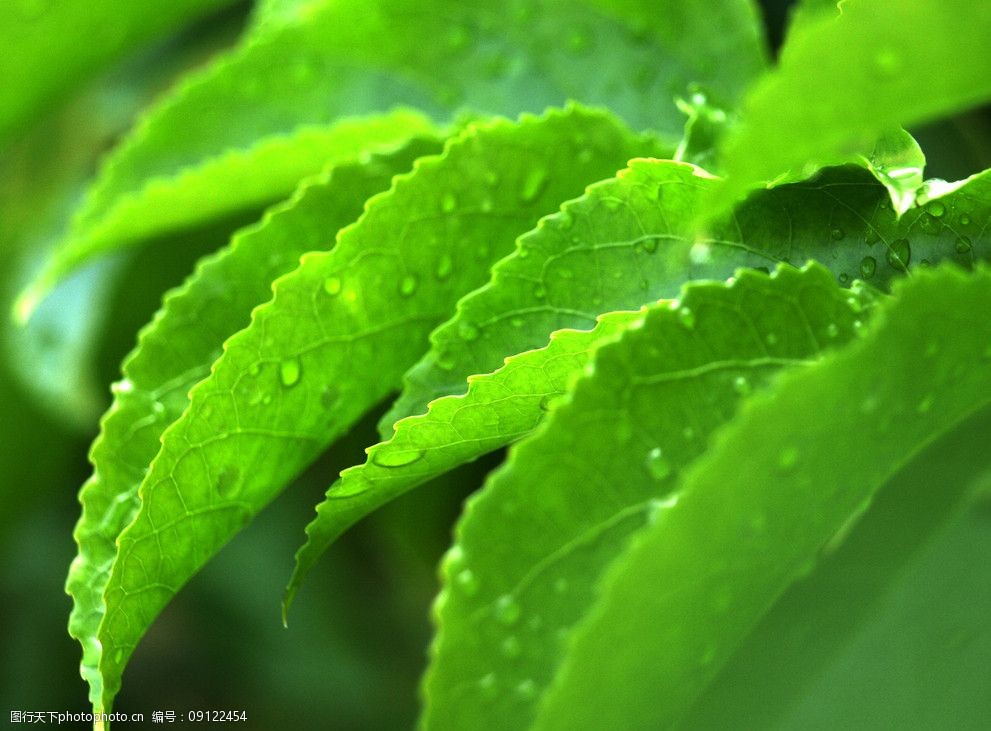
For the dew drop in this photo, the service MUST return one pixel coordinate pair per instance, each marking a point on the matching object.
(507, 611)
(448, 202)
(868, 265)
(936, 209)
(408, 285)
(539, 292)
(872, 236)
(533, 184)
(386, 457)
(771, 339)
(964, 219)
(887, 63)
(924, 405)
(227, 481)
(527, 690)
(899, 255)
(444, 267)
(489, 686)
(516, 321)
(963, 245)
(741, 385)
(332, 286)
(844, 279)
(119, 656)
(329, 397)
(511, 648)
(832, 330)
(290, 371)
(657, 464)
(649, 245)
(486, 204)
(837, 234)
(467, 331)
(565, 220)
(788, 458)
(255, 370)
(929, 223)
(468, 582)
(686, 317)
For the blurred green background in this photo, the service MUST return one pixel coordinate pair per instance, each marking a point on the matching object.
(357, 641)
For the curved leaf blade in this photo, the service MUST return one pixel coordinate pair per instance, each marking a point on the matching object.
(752, 515)
(335, 339)
(532, 544)
(175, 352)
(240, 117)
(496, 409)
(232, 181)
(639, 228)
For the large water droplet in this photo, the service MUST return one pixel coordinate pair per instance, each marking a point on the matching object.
(533, 184)
(408, 285)
(963, 245)
(868, 265)
(290, 371)
(507, 611)
(936, 209)
(657, 464)
(899, 255)
(389, 457)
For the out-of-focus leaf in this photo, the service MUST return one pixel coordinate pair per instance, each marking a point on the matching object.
(752, 515)
(901, 64)
(292, 97)
(50, 45)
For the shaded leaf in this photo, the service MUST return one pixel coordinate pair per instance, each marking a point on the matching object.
(44, 56)
(532, 545)
(752, 515)
(820, 107)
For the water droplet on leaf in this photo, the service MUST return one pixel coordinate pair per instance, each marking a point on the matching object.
(387, 457)
(507, 611)
(408, 285)
(657, 464)
(290, 371)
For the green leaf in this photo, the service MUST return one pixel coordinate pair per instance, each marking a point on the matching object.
(236, 179)
(497, 408)
(901, 592)
(335, 339)
(752, 516)
(297, 95)
(820, 107)
(175, 352)
(631, 240)
(44, 55)
(533, 543)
